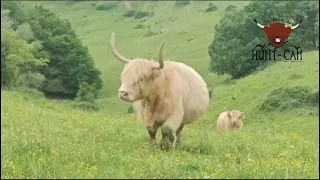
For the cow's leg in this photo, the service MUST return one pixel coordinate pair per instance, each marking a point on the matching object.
(179, 134)
(152, 133)
(174, 144)
(164, 141)
(173, 123)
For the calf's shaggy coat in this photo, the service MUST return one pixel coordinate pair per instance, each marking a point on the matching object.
(230, 120)
(164, 94)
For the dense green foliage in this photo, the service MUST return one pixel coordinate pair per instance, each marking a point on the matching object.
(70, 62)
(182, 3)
(211, 8)
(129, 13)
(316, 28)
(237, 34)
(230, 8)
(107, 6)
(289, 98)
(19, 64)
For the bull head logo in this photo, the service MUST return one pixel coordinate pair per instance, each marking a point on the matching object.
(277, 33)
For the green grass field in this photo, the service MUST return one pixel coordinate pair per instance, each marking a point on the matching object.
(48, 139)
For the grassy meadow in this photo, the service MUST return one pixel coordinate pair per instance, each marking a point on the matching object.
(43, 138)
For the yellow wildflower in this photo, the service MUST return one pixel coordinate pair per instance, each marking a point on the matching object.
(295, 162)
(228, 155)
(294, 136)
(93, 168)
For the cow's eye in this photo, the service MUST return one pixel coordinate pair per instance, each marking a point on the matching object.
(140, 79)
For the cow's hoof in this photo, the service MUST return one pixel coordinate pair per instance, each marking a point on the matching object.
(164, 144)
(179, 144)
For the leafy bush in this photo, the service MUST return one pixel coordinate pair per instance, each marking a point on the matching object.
(31, 92)
(139, 26)
(286, 98)
(141, 14)
(313, 99)
(295, 76)
(70, 3)
(230, 8)
(316, 29)
(211, 8)
(129, 13)
(106, 7)
(18, 61)
(182, 3)
(30, 80)
(70, 62)
(86, 98)
(130, 110)
(150, 33)
(85, 106)
(87, 93)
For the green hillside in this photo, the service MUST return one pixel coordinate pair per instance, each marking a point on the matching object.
(190, 22)
(43, 138)
(46, 138)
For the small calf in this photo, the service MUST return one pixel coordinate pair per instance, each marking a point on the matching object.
(230, 120)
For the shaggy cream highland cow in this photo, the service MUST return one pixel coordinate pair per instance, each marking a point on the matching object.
(164, 94)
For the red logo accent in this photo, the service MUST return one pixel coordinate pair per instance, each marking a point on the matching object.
(277, 34)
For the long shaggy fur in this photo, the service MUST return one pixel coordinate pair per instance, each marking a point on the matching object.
(230, 120)
(168, 94)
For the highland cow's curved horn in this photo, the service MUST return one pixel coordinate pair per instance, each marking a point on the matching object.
(293, 27)
(258, 24)
(115, 51)
(160, 58)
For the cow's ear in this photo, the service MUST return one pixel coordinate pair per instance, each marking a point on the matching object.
(229, 115)
(154, 74)
(241, 116)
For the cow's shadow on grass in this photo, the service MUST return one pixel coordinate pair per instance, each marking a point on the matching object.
(193, 149)
(196, 149)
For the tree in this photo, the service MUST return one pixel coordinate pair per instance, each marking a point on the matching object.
(316, 29)
(237, 34)
(70, 62)
(18, 62)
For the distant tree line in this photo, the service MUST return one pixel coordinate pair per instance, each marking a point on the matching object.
(41, 51)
